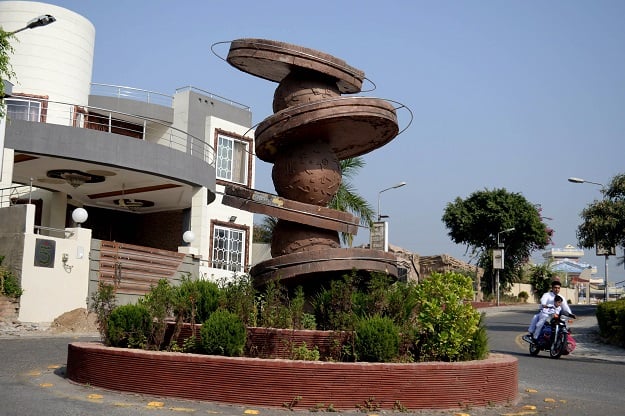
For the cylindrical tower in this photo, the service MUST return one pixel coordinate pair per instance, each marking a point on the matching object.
(55, 61)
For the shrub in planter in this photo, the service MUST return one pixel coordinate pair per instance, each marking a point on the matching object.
(447, 326)
(198, 299)
(239, 296)
(377, 339)
(129, 326)
(334, 306)
(223, 333)
(102, 304)
(160, 302)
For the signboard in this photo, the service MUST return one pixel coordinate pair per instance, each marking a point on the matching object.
(379, 236)
(44, 252)
(600, 251)
(498, 258)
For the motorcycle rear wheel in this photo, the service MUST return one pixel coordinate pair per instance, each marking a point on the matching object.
(534, 350)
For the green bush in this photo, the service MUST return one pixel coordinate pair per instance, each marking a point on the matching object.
(477, 346)
(198, 299)
(303, 353)
(611, 320)
(129, 326)
(103, 302)
(274, 307)
(9, 285)
(523, 296)
(239, 297)
(334, 307)
(377, 339)
(160, 302)
(223, 333)
(447, 326)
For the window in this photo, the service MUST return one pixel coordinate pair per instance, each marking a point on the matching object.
(232, 159)
(228, 249)
(23, 109)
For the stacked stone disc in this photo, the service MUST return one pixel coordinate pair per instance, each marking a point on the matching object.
(313, 128)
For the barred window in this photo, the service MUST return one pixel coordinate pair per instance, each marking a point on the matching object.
(232, 157)
(228, 249)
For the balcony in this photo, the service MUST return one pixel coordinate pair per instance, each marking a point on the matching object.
(101, 156)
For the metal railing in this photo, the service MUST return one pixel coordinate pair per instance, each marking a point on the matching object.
(130, 93)
(153, 97)
(64, 233)
(111, 121)
(9, 195)
(214, 96)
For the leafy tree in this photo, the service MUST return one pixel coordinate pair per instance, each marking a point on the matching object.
(604, 221)
(541, 276)
(6, 70)
(347, 200)
(477, 220)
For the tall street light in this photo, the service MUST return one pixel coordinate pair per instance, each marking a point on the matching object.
(606, 251)
(498, 259)
(43, 20)
(379, 229)
(402, 183)
(580, 180)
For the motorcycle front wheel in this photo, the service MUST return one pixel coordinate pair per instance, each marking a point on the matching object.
(557, 348)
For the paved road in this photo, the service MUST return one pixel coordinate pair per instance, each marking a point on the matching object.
(32, 378)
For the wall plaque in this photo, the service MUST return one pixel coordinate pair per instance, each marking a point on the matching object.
(44, 252)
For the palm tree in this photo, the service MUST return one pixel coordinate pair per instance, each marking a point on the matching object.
(346, 200)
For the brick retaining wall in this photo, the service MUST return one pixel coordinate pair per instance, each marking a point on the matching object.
(276, 382)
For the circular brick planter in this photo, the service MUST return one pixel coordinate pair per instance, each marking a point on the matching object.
(296, 384)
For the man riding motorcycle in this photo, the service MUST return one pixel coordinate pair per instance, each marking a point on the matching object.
(547, 304)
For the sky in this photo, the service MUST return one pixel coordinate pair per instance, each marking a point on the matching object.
(518, 95)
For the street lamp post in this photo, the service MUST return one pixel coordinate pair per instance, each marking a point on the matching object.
(580, 180)
(498, 260)
(379, 229)
(605, 250)
(43, 20)
(384, 190)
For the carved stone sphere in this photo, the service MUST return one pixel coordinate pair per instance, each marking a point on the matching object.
(309, 173)
(289, 237)
(299, 88)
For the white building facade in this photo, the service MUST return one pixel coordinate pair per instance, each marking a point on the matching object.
(147, 167)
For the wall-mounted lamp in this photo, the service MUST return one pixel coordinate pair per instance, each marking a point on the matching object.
(65, 259)
(232, 218)
(79, 215)
(188, 236)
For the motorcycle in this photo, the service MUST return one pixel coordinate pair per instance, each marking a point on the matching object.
(554, 337)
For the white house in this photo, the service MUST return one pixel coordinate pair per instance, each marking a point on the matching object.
(147, 167)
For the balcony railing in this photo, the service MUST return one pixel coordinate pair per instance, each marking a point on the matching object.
(215, 96)
(111, 121)
(8, 196)
(152, 97)
(129, 93)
